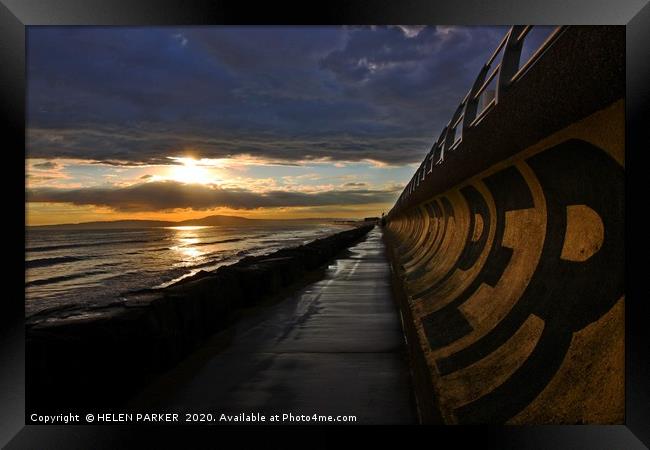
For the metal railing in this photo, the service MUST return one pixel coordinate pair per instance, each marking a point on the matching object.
(518, 51)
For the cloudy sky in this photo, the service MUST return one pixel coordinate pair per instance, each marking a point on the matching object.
(276, 122)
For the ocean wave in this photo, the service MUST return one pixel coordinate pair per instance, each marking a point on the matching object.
(48, 248)
(249, 251)
(223, 241)
(60, 278)
(206, 263)
(45, 262)
(148, 250)
(111, 264)
(271, 241)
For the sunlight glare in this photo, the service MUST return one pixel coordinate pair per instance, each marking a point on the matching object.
(186, 239)
(190, 172)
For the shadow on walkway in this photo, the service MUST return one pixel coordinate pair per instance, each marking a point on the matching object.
(334, 347)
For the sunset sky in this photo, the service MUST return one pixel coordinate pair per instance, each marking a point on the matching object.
(262, 122)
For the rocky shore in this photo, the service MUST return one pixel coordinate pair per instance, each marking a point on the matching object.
(98, 357)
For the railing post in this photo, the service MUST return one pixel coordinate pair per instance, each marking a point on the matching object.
(472, 103)
(450, 136)
(510, 60)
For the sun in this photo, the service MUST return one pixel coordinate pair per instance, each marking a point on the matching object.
(189, 171)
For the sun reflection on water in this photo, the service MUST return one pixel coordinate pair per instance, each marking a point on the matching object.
(185, 240)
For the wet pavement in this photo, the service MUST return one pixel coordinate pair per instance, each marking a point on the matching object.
(334, 347)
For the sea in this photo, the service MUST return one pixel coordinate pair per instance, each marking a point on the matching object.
(80, 268)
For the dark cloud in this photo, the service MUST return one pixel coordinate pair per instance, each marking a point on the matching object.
(169, 195)
(415, 82)
(139, 95)
(146, 177)
(47, 165)
(110, 147)
(355, 184)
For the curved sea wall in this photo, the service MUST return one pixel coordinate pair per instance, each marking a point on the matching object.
(511, 281)
(98, 357)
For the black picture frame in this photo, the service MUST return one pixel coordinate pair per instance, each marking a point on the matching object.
(15, 15)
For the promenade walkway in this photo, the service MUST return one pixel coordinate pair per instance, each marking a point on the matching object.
(334, 347)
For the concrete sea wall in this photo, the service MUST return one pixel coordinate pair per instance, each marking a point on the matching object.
(513, 282)
(97, 358)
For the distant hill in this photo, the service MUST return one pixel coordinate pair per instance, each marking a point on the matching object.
(105, 225)
(216, 220)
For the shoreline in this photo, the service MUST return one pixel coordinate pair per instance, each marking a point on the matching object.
(74, 299)
(122, 345)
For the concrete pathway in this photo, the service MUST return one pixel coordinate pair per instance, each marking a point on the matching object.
(335, 347)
